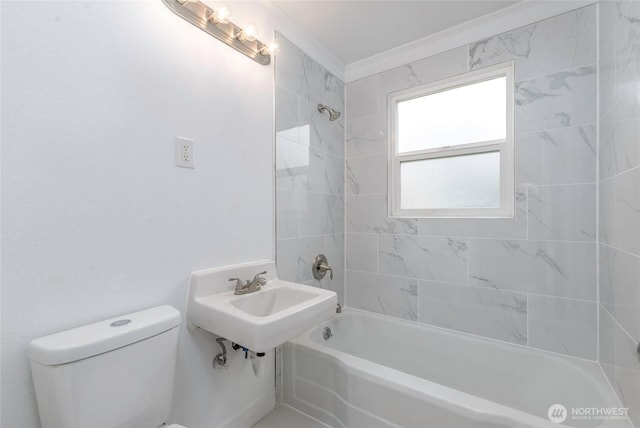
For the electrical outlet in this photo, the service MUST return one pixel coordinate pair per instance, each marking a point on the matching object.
(184, 152)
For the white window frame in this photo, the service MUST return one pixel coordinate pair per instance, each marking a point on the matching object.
(505, 147)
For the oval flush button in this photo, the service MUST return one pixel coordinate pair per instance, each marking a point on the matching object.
(120, 323)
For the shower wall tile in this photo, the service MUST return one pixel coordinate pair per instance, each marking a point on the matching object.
(565, 42)
(563, 325)
(486, 312)
(362, 252)
(387, 295)
(433, 258)
(564, 269)
(607, 344)
(367, 136)
(368, 214)
(515, 228)
(309, 169)
(559, 100)
(431, 69)
(295, 257)
(362, 97)
(620, 211)
(619, 203)
(323, 135)
(549, 247)
(366, 175)
(557, 156)
(620, 287)
(563, 212)
(619, 148)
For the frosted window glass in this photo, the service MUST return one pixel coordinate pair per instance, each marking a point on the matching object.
(463, 115)
(469, 181)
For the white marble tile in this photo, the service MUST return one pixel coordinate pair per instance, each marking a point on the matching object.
(610, 13)
(620, 211)
(432, 258)
(286, 112)
(323, 135)
(555, 268)
(565, 212)
(555, 44)
(336, 284)
(287, 213)
(289, 66)
(515, 228)
(557, 156)
(334, 250)
(396, 297)
(627, 386)
(293, 164)
(367, 136)
(362, 97)
(607, 93)
(563, 325)
(627, 381)
(321, 214)
(362, 252)
(619, 148)
(285, 416)
(562, 99)
(620, 287)
(628, 47)
(607, 344)
(491, 313)
(325, 173)
(295, 257)
(368, 214)
(430, 69)
(366, 175)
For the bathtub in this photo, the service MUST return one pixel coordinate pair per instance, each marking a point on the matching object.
(377, 371)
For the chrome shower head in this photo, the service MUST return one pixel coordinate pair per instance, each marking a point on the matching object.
(333, 114)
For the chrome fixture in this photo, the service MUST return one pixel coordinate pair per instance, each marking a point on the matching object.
(326, 333)
(320, 267)
(220, 360)
(217, 23)
(333, 113)
(251, 286)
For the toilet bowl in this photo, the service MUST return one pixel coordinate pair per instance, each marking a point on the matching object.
(116, 373)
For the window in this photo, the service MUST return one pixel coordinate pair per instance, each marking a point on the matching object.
(451, 147)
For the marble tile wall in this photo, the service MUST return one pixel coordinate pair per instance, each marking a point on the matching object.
(310, 184)
(531, 280)
(619, 207)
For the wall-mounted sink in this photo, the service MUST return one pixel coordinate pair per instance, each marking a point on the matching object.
(261, 320)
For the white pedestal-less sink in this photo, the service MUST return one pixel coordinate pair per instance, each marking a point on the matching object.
(261, 320)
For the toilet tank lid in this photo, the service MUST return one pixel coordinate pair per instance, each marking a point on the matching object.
(93, 339)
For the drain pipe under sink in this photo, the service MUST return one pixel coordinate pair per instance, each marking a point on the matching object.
(257, 362)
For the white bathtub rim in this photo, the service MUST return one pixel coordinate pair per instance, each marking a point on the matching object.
(443, 396)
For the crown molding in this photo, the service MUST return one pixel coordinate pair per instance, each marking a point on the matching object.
(503, 20)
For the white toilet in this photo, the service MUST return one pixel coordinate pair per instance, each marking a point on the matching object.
(116, 373)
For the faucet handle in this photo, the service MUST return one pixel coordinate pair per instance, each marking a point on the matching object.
(260, 280)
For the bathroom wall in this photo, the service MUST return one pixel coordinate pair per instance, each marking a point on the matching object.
(619, 197)
(529, 280)
(309, 168)
(96, 219)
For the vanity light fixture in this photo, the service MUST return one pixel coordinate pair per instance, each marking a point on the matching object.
(217, 23)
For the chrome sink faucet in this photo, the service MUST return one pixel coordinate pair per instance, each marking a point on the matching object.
(251, 286)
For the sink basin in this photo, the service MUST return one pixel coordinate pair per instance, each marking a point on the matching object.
(278, 312)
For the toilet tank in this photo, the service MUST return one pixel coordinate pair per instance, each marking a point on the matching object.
(116, 373)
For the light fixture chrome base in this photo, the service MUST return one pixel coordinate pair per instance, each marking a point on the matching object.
(197, 13)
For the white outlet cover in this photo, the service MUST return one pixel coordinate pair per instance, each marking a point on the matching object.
(184, 153)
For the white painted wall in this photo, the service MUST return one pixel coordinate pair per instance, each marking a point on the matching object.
(96, 219)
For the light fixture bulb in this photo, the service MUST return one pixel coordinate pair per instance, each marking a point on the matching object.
(268, 49)
(221, 15)
(248, 33)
